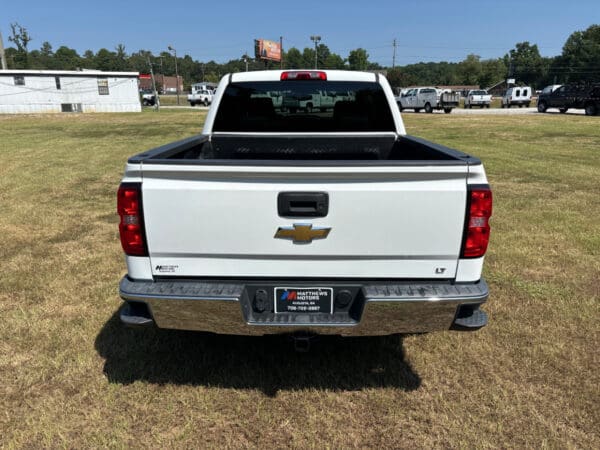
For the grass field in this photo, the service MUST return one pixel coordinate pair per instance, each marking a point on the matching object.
(72, 376)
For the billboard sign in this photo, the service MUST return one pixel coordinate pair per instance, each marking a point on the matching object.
(267, 50)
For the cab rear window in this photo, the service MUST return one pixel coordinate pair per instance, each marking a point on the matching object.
(304, 106)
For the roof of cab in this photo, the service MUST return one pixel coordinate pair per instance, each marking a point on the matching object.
(275, 75)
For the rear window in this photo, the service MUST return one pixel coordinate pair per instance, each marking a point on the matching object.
(479, 93)
(304, 106)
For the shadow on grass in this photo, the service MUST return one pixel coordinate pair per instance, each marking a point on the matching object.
(267, 363)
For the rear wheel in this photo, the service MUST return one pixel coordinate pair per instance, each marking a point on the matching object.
(563, 110)
(528, 104)
(447, 110)
(470, 106)
(428, 108)
(192, 104)
(591, 109)
(417, 110)
(508, 105)
(205, 102)
(542, 107)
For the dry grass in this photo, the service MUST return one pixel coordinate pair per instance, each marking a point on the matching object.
(72, 376)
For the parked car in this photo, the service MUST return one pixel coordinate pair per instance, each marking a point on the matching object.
(148, 97)
(428, 98)
(518, 96)
(586, 96)
(479, 98)
(201, 97)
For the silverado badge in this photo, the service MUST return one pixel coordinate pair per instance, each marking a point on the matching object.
(302, 233)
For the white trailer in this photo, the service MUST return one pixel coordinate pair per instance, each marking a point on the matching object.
(54, 91)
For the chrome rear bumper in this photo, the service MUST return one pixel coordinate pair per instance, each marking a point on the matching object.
(379, 308)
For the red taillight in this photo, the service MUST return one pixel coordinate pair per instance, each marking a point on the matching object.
(477, 226)
(131, 225)
(303, 75)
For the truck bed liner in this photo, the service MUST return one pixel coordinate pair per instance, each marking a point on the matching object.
(240, 149)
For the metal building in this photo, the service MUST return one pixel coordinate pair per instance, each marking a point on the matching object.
(54, 91)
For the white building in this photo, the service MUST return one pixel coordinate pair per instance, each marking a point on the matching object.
(54, 91)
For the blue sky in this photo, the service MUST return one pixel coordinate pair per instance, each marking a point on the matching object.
(425, 30)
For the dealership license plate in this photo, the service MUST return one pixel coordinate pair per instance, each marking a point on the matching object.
(304, 300)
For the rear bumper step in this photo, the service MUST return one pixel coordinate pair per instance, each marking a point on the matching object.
(379, 308)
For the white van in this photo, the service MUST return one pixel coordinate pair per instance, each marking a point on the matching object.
(518, 95)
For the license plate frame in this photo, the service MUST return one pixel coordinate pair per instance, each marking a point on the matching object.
(303, 300)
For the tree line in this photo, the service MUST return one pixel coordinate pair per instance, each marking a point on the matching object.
(578, 62)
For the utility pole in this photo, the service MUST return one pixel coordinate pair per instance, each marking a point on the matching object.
(156, 98)
(245, 61)
(316, 39)
(281, 54)
(176, 73)
(2, 55)
(394, 57)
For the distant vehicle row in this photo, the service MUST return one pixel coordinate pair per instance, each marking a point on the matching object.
(577, 96)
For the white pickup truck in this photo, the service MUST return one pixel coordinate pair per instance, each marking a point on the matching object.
(330, 222)
(479, 98)
(428, 99)
(200, 98)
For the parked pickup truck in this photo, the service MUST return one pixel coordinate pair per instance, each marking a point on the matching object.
(428, 98)
(576, 96)
(478, 98)
(333, 222)
(200, 98)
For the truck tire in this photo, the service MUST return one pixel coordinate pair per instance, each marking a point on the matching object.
(428, 108)
(205, 102)
(192, 104)
(417, 110)
(487, 106)
(447, 110)
(563, 110)
(542, 107)
(508, 105)
(528, 104)
(590, 109)
(400, 106)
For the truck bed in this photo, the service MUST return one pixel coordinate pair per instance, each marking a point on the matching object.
(311, 149)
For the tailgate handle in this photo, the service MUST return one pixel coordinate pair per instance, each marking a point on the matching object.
(303, 204)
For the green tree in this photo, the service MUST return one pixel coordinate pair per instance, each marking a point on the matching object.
(21, 38)
(493, 71)
(358, 59)
(66, 58)
(334, 61)
(469, 70)
(293, 59)
(580, 58)
(525, 64)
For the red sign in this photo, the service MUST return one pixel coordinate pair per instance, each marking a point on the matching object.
(145, 76)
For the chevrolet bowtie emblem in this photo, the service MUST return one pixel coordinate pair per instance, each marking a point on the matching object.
(302, 233)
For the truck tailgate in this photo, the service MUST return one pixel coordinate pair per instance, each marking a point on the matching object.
(401, 221)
